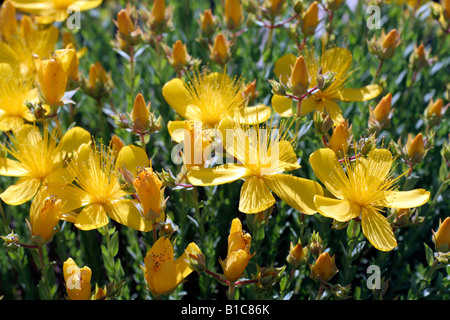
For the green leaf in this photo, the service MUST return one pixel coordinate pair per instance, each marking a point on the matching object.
(429, 254)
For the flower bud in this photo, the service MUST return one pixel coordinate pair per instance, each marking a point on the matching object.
(220, 52)
(207, 23)
(275, 6)
(179, 57)
(315, 245)
(148, 188)
(140, 113)
(116, 144)
(322, 121)
(383, 108)
(324, 268)
(299, 79)
(250, 91)
(415, 147)
(52, 76)
(99, 82)
(78, 281)
(311, 19)
(44, 216)
(159, 11)
(390, 39)
(339, 139)
(441, 238)
(434, 112)
(297, 255)
(233, 14)
(124, 23)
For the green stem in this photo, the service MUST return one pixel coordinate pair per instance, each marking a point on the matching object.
(197, 212)
(231, 290)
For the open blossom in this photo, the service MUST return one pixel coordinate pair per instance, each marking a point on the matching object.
(335, 60)
(362, 191)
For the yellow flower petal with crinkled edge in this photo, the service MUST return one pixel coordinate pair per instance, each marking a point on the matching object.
(406, 199)
(177, 96)
(361, 94)
(21, 192)
(329, 171)
(297, 192)
(126, 212)
(225, 173)
(255, 196)
(93, 216)
(132, 158)
(377, 230)
(340, 210)
(12, 168)
(181, 264)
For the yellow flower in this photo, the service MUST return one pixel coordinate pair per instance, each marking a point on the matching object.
(209, 98)
(238, 253)
(162, 273)
(441, 238)
(49, 11)
(324, 268)
(78, 280)
(53, 74)
(336, 60)
(233, 14)
(14, 94)
(40, 159)
(45, 213)
(28, 40)
(263, 155)
(362, 191)
(97, 191)
(310, 19)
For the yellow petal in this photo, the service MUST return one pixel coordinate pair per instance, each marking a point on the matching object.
(297, 192)
(132, 158)
(222, 174)
(93, 216)
(235, 264)
(181, 264)
(11, 168)
(283, 67)
(73, 139)
(176, 130)
(382, 161)
(255, 196)
(331, 107)
(254, 115)
(407, 199)
(282, 106)
(362, 94)
(377, 230)
(72, 197)
(21, 192)
(87, 4)
(59, 176)
(340, 210)
(177, 96)
(329, 171)
(126, 212)
(165, 278)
